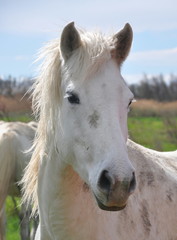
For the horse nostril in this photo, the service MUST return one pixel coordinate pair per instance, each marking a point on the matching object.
(105, 181)
(132, 183)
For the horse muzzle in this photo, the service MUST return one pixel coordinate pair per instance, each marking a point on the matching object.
(112, 193)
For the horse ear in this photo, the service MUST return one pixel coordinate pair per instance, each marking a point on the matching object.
(122, 44)
(70, 40)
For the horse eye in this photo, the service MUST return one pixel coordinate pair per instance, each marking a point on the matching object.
(131, 101)
(72, 98)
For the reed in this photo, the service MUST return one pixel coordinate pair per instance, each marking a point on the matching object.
(151, 108)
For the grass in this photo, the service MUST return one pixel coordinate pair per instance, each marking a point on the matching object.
(151, 132)
(154, 124)
(25, 117)
(13, 224)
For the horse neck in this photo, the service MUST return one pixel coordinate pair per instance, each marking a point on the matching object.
(67, 208)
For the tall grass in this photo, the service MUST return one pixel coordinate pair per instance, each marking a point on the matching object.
(151, 108)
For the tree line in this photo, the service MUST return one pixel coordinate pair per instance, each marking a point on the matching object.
(10, 86)
(154, 87)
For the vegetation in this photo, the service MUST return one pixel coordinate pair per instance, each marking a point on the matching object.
(13, 223)
(25, 117)
(151, 108)
(154, 124)
(153, 132)
(156, 88)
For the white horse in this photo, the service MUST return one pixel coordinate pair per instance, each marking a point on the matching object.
(80, 173)
(15, 139)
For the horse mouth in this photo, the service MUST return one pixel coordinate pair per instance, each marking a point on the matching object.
(109, 208)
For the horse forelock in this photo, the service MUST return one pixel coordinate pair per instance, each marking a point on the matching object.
(86, 60)
(47, 94)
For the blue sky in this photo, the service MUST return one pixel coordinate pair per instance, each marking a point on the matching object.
(26, 25)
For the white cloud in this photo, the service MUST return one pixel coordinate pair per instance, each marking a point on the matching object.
(37, 16)
(43, 16)
(158, 61)
(155, 55)
(150, 62)
(22, 58)
(132, 78)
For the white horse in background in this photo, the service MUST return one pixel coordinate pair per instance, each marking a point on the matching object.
(15, 139)
(81, 172)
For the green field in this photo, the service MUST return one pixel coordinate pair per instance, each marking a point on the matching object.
(18, 117)
(158, 133)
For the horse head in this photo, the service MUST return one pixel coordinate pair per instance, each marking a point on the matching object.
(93, 113)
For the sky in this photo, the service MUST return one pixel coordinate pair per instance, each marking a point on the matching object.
(25, 26)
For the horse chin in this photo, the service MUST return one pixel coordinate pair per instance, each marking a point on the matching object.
(109, 208)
